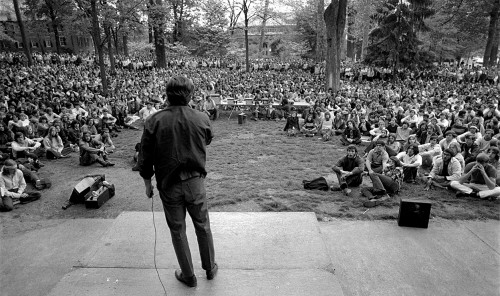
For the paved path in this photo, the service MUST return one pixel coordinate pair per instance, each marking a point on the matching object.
(258, 254)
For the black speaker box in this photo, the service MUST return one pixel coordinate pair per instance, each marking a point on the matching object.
(414, 213)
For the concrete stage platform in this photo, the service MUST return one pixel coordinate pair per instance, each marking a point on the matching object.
(258, 254)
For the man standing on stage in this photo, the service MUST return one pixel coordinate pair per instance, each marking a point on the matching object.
(173, 148)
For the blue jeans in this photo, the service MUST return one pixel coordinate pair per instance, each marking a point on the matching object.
(188, 195)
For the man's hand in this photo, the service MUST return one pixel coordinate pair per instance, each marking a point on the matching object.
(149, 188)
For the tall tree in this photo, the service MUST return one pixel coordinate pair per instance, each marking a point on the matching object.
(234, 7)
(247, 15)
(157, 19)
(335, 18)
(96, 35)
(491, 50)
(20, 23)
(395, 41)
(320, 31)
(265, 17)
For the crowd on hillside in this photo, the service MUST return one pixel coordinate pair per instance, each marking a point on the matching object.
(57, 105)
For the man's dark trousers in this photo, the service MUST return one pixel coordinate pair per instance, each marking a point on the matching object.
(188, 195)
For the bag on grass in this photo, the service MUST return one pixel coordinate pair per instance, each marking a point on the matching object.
(316, 184)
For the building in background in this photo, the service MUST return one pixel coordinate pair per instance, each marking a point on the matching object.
(39, 34)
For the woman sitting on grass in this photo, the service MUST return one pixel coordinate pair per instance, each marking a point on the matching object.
(53, 144)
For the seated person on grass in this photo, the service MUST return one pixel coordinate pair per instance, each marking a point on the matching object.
(470, 149)
(447, 140)
(309, 128)
(455, 148)
(364, 127)
(25, 149)
(429, 150)
(348, 170)
(377, 158)
(339, 123)
(444, 170)
(53, 144)
(410, 161)
(92, 151)
(292, 123)
(403, 132)
(478, 180)
(385, 183)
(105, 138)
(351, 134)
(12, 186)
(326, 128)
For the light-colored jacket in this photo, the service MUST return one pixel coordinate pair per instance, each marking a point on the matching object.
(454, 169)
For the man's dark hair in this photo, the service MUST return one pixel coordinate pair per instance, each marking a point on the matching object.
(179, 90)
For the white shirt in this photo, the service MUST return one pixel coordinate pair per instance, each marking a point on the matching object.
(144, 113)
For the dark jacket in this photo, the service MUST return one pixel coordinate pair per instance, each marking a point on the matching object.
(292, 122)
(174, 143)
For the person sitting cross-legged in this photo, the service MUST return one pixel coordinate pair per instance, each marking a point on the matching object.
(351, 134)
(348, 170)
(53, 144)
(12, 185)
(444, 170)
(478, 180)
(92, 151)
(386, 183)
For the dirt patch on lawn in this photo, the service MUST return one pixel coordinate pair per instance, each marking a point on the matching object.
(252, 167)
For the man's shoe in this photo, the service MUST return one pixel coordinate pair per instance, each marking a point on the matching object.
(212, 273)
(190, 282)
(109, 164)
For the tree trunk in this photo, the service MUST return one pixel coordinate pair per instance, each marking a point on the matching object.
(111, 56)
(320, 32)
(150, 33)
(492, 31)
(96, 33)
(335, 18)
(53, 21)
(116, 40)
(26, 46)
(494, 49)
(125, 44)
(263, 26)
(247, 60)
(364, 43)
(158, 27)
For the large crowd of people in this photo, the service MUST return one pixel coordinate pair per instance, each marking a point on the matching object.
(409, 118)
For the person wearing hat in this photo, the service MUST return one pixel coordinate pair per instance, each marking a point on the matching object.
(348, 170)
(473, 130)
(478, 180)
(147, 111)
(12, 186)
(445, 169)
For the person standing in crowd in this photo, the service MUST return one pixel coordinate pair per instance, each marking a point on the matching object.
(179, 167)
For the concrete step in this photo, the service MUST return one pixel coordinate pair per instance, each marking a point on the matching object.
(257, 254)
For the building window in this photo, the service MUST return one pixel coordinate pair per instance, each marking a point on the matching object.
(34, 44)
(62, 40)
(48, 43)
(19, 44)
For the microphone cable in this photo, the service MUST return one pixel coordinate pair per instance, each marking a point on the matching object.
(154, 252)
